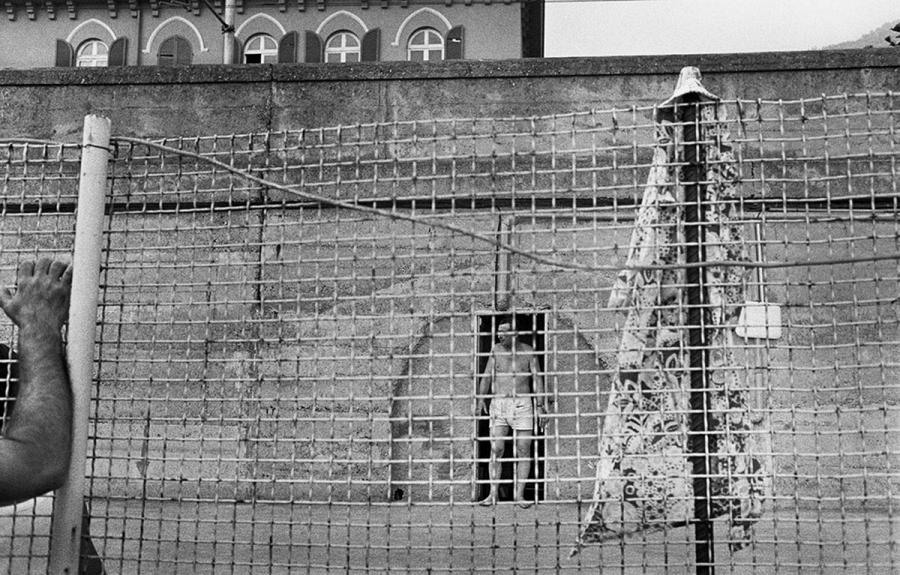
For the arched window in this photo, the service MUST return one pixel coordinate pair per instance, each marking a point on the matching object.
(261, 49)
(342, 46)
(175, 51)
(92, 54)
(425, 45)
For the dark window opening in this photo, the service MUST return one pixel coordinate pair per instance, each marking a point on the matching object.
(535, 324)
(253, 58)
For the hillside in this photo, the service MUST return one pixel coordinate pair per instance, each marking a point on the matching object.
(874, 39)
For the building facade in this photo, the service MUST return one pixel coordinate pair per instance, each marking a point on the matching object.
(187, 32)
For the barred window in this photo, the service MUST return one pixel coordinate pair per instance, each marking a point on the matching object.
(261, 49)
(92, 54)
(342, 47)
(426, 45)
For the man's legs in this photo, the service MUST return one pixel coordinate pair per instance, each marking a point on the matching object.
(499, 434)
(523, 464)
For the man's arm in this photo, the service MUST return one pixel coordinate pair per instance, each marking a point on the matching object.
(540, 390)
(35, 448)
(484, 386)
(9, 384)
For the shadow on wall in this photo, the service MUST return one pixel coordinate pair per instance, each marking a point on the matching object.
(433, 439)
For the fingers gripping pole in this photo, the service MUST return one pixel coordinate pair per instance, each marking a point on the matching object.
(67, 508)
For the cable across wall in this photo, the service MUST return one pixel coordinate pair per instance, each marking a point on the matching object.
(292, 326)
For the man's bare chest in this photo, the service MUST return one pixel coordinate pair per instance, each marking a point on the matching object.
(512, 363)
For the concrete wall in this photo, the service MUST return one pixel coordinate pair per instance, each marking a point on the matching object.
(349, 374)
(154, 102)
(286, 312)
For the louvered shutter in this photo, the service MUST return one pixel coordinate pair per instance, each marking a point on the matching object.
(65, 54)
(455, 44)
(371, 46)
(118, 52)
(175, 51)
(287, 48)
(313, 48)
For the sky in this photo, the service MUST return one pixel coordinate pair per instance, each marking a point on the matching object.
(635, 27)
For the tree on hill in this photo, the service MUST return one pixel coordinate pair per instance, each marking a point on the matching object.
(894, 39)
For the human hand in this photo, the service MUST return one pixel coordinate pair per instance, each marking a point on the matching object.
(41, 299)
(481, 408)
(542, 417)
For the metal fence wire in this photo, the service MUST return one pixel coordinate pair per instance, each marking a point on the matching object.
(295, 329)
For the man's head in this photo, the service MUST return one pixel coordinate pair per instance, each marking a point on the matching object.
(506, 333)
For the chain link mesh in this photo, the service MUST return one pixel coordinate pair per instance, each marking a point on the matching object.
(293, 323)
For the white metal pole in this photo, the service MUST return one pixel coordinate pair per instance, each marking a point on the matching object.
(67, 507)
(228, 36)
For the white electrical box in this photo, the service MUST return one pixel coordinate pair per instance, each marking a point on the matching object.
(759, 321)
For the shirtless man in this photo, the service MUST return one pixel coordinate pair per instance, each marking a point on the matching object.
(513, 379)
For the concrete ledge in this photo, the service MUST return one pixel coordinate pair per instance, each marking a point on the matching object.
(154, 102)
(468, 69)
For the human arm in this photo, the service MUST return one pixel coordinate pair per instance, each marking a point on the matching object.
(542, 401)
(484, 386)
(36, 444)
(9, 383)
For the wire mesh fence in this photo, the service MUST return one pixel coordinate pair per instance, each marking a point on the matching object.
(294, 328)
(39, 185)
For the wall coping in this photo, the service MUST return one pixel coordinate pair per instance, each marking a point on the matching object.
(464, 69)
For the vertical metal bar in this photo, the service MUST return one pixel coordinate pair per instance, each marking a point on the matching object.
(759, 377)
(503, 264)
(228, 32)
(476, 333)
(700, 424)
(65, 533)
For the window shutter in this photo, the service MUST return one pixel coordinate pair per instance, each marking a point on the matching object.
(313, 48)
(175, 51)
(287, 48)
(118, 52)
(371, 46)
(184, 55)
(166, 54)
(237, 56)
(65, 54)
(455, 44)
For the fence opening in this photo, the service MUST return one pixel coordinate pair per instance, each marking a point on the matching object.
(531, 328)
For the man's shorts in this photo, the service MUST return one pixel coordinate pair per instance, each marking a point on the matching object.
(514, 412)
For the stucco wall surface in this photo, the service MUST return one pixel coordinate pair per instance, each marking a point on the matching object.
(393, 308)
(201, 100)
